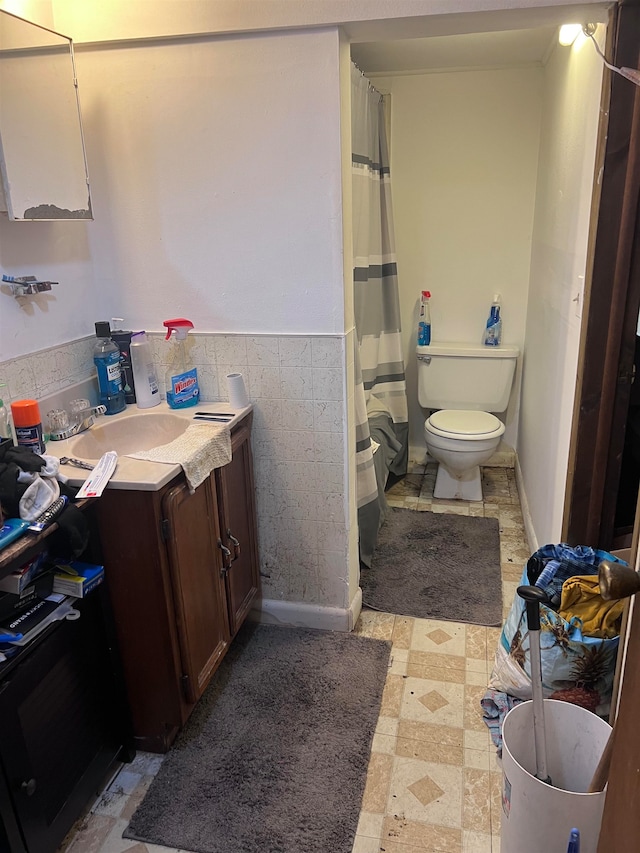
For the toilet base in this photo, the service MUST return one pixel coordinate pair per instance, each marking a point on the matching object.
(464, 486)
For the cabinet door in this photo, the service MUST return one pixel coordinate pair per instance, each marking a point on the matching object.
(234, 483)
(196, 572)
(61, 726)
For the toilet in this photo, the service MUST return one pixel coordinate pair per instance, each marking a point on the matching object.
(463, 385)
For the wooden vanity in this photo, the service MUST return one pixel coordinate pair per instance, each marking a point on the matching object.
(182, 574)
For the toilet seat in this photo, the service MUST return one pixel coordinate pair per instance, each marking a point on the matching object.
(464, 425)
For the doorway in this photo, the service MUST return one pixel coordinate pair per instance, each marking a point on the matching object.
(608, 342)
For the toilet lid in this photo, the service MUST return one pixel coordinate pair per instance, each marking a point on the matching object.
(464, 422)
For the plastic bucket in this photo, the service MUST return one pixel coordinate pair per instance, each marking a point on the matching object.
(536, 816)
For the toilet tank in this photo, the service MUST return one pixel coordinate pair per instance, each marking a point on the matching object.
(465, 376)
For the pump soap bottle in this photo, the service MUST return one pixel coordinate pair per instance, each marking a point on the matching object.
(181, 378)
(106, 357)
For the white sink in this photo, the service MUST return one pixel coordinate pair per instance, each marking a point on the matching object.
(128, 434)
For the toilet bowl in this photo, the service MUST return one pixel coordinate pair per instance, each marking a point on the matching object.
(461, 441)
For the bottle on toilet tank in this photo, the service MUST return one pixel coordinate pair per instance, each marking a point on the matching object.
(424, 320)
(493, 330)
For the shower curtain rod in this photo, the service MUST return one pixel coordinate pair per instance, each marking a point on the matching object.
(369, 83)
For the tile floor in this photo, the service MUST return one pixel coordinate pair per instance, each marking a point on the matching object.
(434, 780)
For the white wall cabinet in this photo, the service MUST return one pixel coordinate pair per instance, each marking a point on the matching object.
(42, 157)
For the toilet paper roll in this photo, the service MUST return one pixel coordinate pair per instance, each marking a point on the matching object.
(238, 398)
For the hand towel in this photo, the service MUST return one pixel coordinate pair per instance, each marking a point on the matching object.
(201, 448)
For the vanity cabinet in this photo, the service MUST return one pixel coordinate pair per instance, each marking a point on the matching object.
(183, 575)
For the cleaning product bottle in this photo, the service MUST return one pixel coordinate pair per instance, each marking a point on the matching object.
(106, 357)
(424, 322)
(122, 338)
(144, 372)
(181, 378)
(493, 330)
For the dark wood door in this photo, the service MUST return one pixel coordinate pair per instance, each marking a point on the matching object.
(605, 368)
(620, 831)
(198, 585)
(234, 483)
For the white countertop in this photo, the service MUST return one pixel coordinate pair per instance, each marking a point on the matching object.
(130, 473)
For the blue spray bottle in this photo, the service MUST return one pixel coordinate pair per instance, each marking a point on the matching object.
(424, 321)
(493, 331)
(181, 378)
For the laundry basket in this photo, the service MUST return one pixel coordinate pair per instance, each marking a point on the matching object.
(537, 816)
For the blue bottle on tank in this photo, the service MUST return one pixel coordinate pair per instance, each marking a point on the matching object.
(424, 321)
(493, 330)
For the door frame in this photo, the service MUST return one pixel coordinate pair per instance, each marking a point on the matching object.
(612, 300)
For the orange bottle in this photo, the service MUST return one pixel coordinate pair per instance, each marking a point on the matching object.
(28, 425)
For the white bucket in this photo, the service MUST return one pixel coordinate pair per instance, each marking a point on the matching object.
(536, 816)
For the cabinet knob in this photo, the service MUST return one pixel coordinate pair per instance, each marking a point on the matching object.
(29, 787)
(236, 545)
(226, 558)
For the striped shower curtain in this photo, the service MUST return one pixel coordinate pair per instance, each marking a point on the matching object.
(379, 361)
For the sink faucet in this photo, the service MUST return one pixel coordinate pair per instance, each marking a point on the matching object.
(60, 427)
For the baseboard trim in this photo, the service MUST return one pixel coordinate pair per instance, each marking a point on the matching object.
(532, 539)
(300, 615)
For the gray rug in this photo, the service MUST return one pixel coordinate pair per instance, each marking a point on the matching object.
(436, 566)
(274, 757)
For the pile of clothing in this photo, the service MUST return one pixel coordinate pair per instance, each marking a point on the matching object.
(579, 636)
(30, 483)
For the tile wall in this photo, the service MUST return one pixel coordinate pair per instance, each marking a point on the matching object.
(298, 386)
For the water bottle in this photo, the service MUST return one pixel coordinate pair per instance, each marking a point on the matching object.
(106, 357)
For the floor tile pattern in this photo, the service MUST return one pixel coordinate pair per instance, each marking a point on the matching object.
(434, 781)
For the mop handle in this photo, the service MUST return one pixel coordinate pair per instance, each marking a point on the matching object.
(533, 596)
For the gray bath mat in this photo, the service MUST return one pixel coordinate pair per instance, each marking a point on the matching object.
(274, 757)
(436, 566)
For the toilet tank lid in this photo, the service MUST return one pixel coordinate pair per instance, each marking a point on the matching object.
(452, 349)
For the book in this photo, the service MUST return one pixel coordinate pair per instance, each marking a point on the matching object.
(76, 578)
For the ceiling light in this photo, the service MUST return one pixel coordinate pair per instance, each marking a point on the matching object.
(569, 33)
